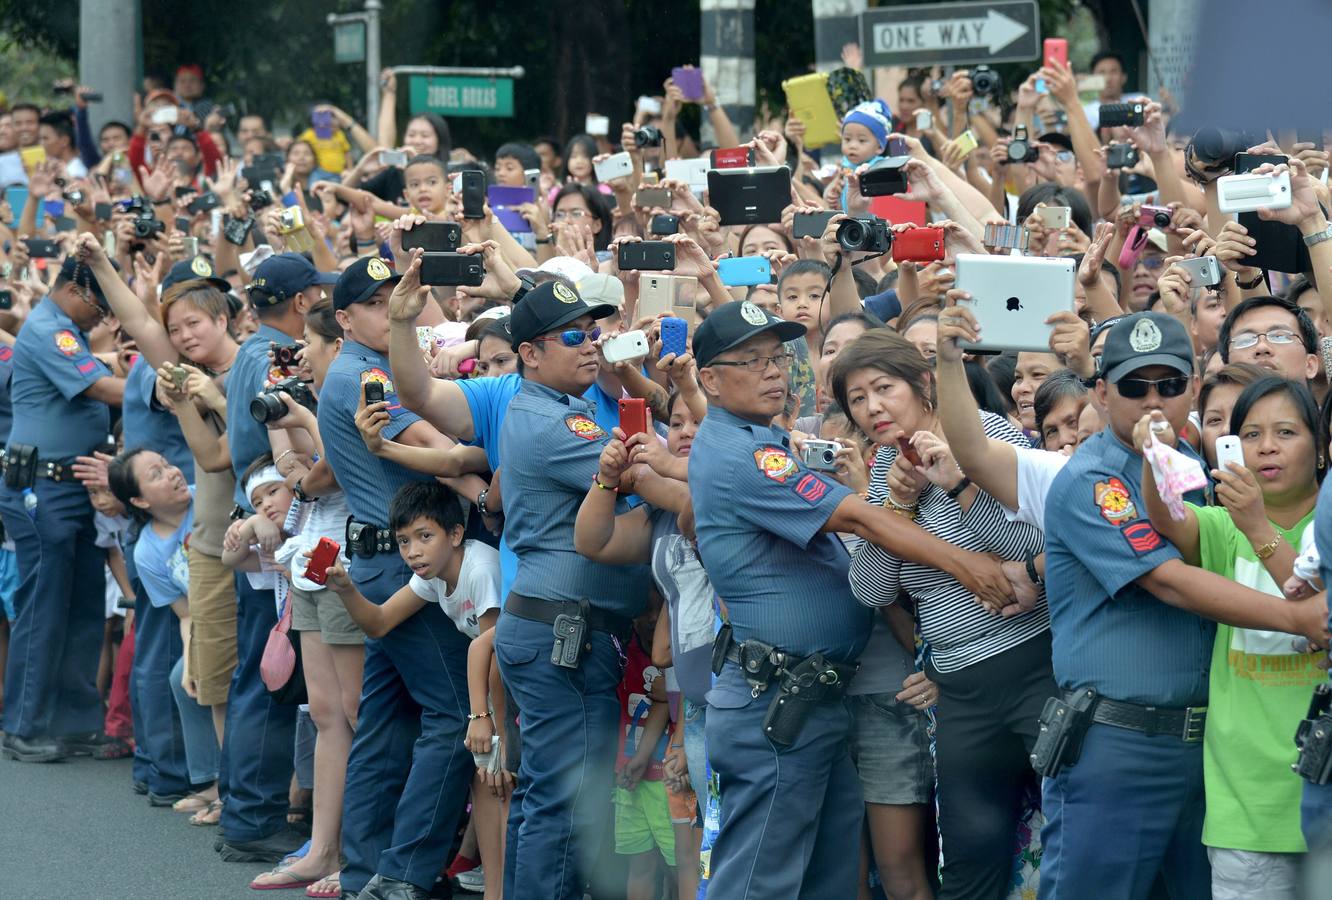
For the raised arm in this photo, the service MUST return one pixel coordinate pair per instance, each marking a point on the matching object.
(147, 332)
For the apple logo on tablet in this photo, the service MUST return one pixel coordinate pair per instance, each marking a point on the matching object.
(1014, 304)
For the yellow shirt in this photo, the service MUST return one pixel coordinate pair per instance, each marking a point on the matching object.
(330, 153)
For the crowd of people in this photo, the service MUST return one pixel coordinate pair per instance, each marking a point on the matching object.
(558, 523)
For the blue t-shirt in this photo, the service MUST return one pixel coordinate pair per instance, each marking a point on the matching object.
(146, 424)
(250, 373)
(161, 561)
(6, 408)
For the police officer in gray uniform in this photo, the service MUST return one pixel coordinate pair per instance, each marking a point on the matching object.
(777, 728)
(60, 393)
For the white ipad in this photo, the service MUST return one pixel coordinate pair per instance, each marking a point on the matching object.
(1012, 296)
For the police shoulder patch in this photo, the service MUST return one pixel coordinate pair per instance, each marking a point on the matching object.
(774, 463)
(67, 343)
(1114, 501)
(1142, 537)
(583, 427)
(380, 376)
(811, 488)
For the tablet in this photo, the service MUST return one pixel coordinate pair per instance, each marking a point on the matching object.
(1012, 296)
(808, 100)
(750, 196)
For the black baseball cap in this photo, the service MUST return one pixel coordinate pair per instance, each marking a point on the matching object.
(1146, 339)
(731, 324)
(80, 274)
(548, 306)
(282, 277)
(198, 268)
(1057, 139)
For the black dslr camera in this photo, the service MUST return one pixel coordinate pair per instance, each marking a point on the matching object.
(648, 136)
(260, 200)
(868, 233)
(267, 406)
(146, 223)
(985, 81)
(1020, 149)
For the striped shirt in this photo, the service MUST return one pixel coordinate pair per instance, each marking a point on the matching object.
(959, 630)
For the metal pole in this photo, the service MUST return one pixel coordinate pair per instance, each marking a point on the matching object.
(836, 22)
(726, 56)
(109, 48)
(372, 65)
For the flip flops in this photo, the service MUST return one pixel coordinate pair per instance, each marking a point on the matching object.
(292, 881)
(209, 815)
(331, 890)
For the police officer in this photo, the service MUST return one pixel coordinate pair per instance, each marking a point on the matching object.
(259, 733)
(765, 527)
(1126, 617)
(561, 605)
(60, 394)
(406, 779)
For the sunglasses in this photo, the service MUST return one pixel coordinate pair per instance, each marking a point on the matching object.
(571, 338)
(1137, 388)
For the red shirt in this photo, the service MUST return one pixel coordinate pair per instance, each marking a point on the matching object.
(635, 693)
(207, 150)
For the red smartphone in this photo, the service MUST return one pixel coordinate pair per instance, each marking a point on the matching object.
(1056, 48)
(904, 447)
(325, 555)
(633, 416)
(733, 158)
(919, 245)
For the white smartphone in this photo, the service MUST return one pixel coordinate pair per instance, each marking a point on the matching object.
(1249, 193)
(1055, 216)
(924, 120)
(617, 165)
(1228, 450)
(624, 347)
(393, 158)
(166, 115)
(597, 126)
(649, 105)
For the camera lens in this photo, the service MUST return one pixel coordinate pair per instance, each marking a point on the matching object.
(647, 136)
(829, 456)
(267, 407)
(1161, 220)
(851, 234)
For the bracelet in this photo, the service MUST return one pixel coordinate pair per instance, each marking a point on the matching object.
(548, 239)
(283, 455)
(901, 507)
(596, 479)
(472, 717)
(299, 491)
(1030, 560)
(1266, 550)
(960, 487)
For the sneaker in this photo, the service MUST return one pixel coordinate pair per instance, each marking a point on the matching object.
(473, 880)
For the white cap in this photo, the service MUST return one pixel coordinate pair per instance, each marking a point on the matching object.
(597, 288)
(565, 266)
(495, 312)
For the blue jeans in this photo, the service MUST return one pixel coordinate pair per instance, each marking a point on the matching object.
(55, 639)
(157, 648)
(1132, 807)
(408, 772)
(200, 737)
(1316, 813)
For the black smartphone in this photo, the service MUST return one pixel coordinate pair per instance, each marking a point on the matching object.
(473, 190)
(1115, 114)
(811, 224)
(237, 231)
(183, 224)
(6, 299)
(1121, 156)
(435, 237)
(884, 179)
(647, 256)
(203, 203)
(41, 248)
(452, 269)
(184, 191)
(664, 223)
(102, 212)
(374, 392)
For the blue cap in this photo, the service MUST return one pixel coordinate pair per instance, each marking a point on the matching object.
(198, 268)
(361, 280)
(731, 324)
(283, 276)
(875, 116)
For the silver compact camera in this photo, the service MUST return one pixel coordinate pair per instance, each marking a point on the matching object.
(821, 456)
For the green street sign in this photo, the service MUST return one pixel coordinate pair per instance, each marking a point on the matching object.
(349, 42)
(459, 95)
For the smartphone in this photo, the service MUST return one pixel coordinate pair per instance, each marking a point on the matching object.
(617, 165)
(743, 271)
(1055, 49)
(650, 198)
(179, 377)
(1116, 114)
(966, 142)
(471, 184)
(663, 224)
(624, 347)
(452, 269)
(897, 147)
(184, 190)
(41, 248)
(1121, 156)
(633, 416)
(1205, 271)
(183, 224)
(322, 558)
(919, 245)
(904, 447)
(6, 299)
(205, 202)
(674, 334)
(102, 212)
(1229, 450)
(655, 256)
(732, 158)
(924, 120)
(166, 115)
(1249, 193)
(649, 105)
(189, 246)
(885, 178)
(597, 126)
(437, 237)
(689, 81)
(393, 158)
(1054, 216)
(374, 392)
(811, 224)
(668, 294)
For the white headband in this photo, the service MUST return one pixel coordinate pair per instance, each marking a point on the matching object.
(266, 475)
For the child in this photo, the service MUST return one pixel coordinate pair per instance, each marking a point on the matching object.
(463, 577)
(865, 131)
(511, 162)
(112, 528)
(642, 811)
(250, 543)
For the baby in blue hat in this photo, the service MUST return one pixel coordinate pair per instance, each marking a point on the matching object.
(865, 131)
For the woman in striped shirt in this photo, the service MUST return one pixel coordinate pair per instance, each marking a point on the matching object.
(992, 669)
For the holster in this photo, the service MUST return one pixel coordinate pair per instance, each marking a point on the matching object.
(812, 681)
(1314, 738)
(570, 638)
(1064, 723)
(21, 466)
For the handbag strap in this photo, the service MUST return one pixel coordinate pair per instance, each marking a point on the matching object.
(283, 590)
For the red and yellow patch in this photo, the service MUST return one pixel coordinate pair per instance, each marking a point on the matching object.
(584, 428)
(275, 374)
(67, 343)
(1115, 503)
(774, 463)
(380, 376)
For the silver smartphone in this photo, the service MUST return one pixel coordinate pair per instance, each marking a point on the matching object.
(1204, 271)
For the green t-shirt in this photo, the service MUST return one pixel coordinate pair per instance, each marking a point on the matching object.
(1260, 689)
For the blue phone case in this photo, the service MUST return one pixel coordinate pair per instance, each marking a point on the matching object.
(744, 271)
(674, 332)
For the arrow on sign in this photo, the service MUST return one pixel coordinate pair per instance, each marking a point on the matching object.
(994, 32)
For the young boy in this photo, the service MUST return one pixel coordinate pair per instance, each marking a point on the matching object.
(865, 131)
(464, 578)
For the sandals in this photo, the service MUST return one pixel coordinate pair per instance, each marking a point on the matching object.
(291, 881)
(330, 887)
(192, 803)
(209, 815)
(114, 748)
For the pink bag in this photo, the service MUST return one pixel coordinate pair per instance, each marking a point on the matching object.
(280, 667)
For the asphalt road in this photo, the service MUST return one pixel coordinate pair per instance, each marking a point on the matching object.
(77, 830)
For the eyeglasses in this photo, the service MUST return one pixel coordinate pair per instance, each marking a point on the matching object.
(1151, 262)
(758, 363)
(1247, 339)
(574, 337)
(1136, 388)
(571, 214)
(1064, 156)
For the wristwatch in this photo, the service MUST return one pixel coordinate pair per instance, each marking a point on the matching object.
(1249, 285)
(548, 239)
(300, 493)
(1318, 236)
(481, 501)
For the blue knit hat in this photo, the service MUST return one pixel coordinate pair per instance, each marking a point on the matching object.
(875, 116)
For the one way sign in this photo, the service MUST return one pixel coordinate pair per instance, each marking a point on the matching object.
(951, 33)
